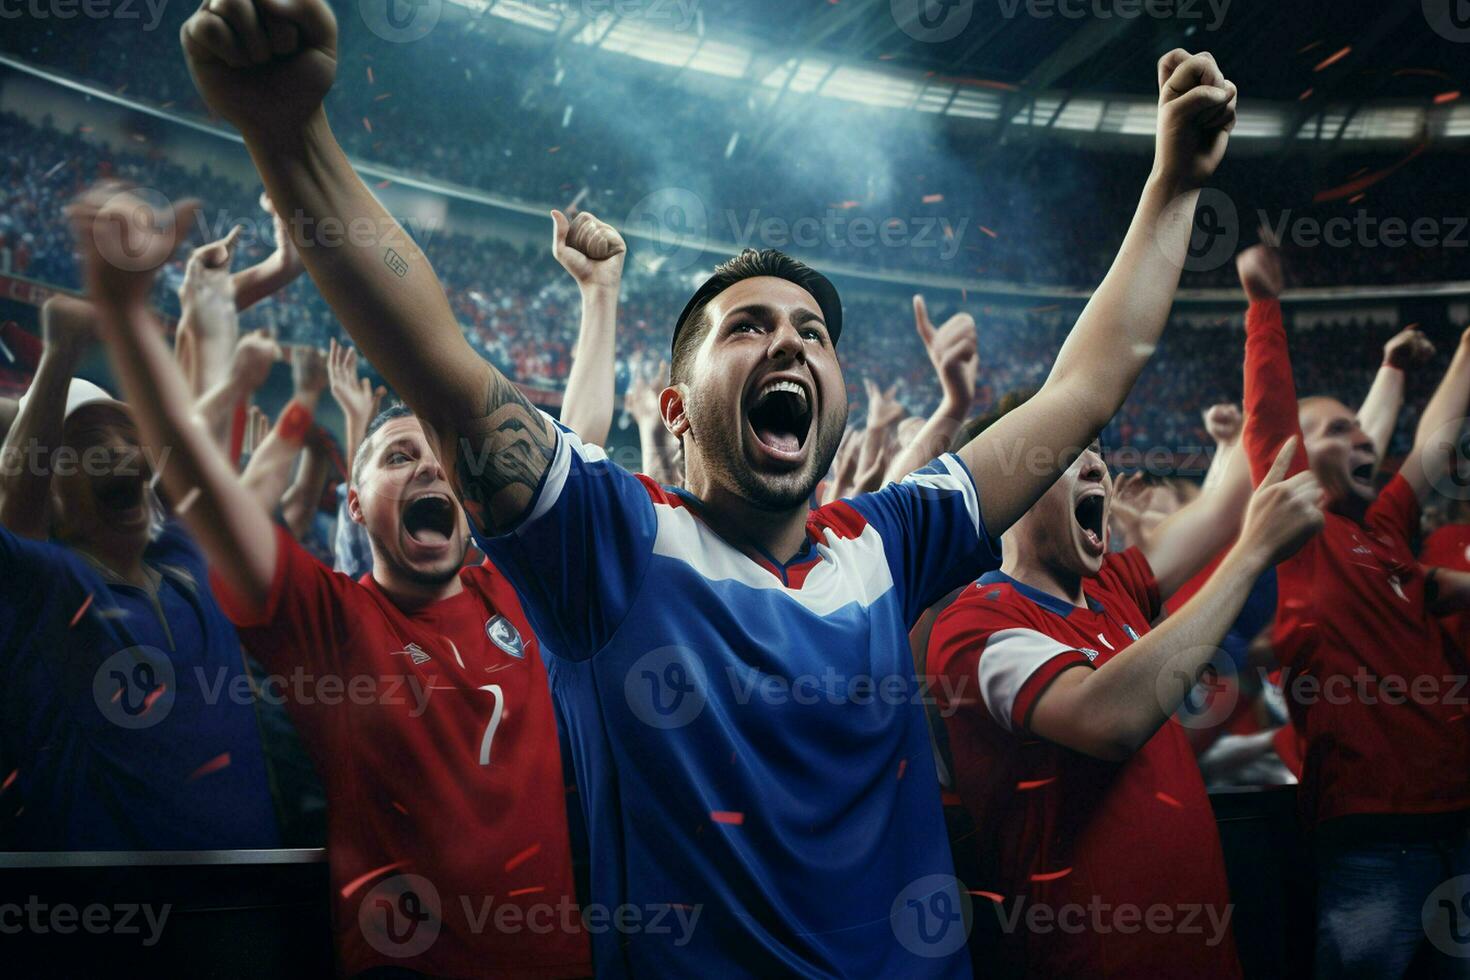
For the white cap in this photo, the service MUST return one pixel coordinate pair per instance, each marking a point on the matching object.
(79, 393)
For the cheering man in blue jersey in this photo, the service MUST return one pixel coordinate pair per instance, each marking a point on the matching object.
(731, 665)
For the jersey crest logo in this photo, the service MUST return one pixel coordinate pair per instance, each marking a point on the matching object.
(1088, 653)
(413, 652)
(1129, 630)
(504, 635)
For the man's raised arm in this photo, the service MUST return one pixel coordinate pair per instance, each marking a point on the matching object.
(1120, 327)
(265, 66)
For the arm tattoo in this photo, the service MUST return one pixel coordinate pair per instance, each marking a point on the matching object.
(502, 456)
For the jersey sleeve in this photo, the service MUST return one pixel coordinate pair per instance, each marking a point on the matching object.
(1130, 573)
(1396, 511)
(987, 646)
(933, 534)
(1270, 392)
(578, 557)
(24, 567)
(303, 623)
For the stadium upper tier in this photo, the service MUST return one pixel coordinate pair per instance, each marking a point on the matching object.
(490, 105)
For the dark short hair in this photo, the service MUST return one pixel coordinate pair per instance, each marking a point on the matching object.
(690, 328)
(364, 448)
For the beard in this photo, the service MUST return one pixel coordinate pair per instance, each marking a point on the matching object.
(723, 454)
(418, 576)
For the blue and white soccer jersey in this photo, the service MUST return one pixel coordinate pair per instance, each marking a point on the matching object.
(749, 738)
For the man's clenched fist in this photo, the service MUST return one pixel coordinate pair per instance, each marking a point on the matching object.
(1196, 115)
(590, 250)
(263, 65)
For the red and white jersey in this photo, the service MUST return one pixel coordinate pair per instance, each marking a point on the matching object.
(1094, 848)
(433, 733)
(1374, 686)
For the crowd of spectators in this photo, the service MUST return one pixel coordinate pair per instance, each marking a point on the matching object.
(521, 311)
(485, 110)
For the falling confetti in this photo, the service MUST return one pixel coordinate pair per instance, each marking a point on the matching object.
(1052, 875)
(727, 816)
(1333, 59)
(523, 857)
(525, 891)
(1034, 784)
(903, 765)
(82, 611)
(213, 765)
(997, 899)
(362, 879)
(1166, 798)
(9, 779)
(988, 232)
(400, 808)
(933, 198)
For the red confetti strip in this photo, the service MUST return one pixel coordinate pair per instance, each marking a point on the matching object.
(523, 857)
(989, 232)
(1367, 180)
(82, 611)
(213, 765)
(997, 899)
(732, 817)
(153, 695)
(400, 808)
(1034, 784)
(384, 184)
(933, 198)
(1052, 875)
(526, 891)
(1166, 798)
(360, 880)
(9, 779)
(1444, 97)
(1333, 59)
(903, 767)
(1305, 95)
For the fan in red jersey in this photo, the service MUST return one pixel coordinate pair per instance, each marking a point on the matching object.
(1094, 811)
(419, 689)
(1374, 685)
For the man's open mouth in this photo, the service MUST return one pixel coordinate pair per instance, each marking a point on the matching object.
(1089, 514)
(1363, 473)
(119, 495)
(430, 519)
(781, 417)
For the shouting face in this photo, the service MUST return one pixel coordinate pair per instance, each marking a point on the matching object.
(1067, 529)
(101, 502)
(1339, 451)
(763, 406)
(401, 495)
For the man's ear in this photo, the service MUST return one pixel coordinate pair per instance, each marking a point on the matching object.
(354, 507)
(671, 407)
